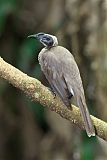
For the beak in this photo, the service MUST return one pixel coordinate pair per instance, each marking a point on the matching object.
(38, 35)
(32, 36)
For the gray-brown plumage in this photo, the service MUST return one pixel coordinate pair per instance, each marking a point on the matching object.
(61, 70)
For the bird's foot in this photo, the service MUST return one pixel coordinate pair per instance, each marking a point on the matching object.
(70, 96)
(52, 91)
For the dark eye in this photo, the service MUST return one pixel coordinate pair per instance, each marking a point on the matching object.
(48, 41)
(46, 38)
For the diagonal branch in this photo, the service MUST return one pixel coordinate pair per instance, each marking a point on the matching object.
(39, 93)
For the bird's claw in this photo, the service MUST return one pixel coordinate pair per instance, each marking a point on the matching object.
(52, 91)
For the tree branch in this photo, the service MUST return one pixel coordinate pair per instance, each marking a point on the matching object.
(39, 93)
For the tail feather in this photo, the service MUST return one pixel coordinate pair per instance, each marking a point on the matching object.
(86, 116)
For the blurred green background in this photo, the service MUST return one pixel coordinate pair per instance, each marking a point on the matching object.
(29, 131)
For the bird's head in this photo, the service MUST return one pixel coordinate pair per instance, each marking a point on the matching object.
(46, 39)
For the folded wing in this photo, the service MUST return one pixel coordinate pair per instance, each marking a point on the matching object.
(52, 69)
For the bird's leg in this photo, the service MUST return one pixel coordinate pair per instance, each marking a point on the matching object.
(70, 96)
(52, 91)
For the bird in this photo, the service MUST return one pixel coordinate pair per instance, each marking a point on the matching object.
(63, 75)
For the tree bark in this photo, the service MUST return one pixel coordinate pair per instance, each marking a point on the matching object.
(39, 93)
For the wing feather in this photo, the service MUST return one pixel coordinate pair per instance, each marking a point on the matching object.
(52, 69)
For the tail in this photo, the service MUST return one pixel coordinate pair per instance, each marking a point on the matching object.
(86, 116)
